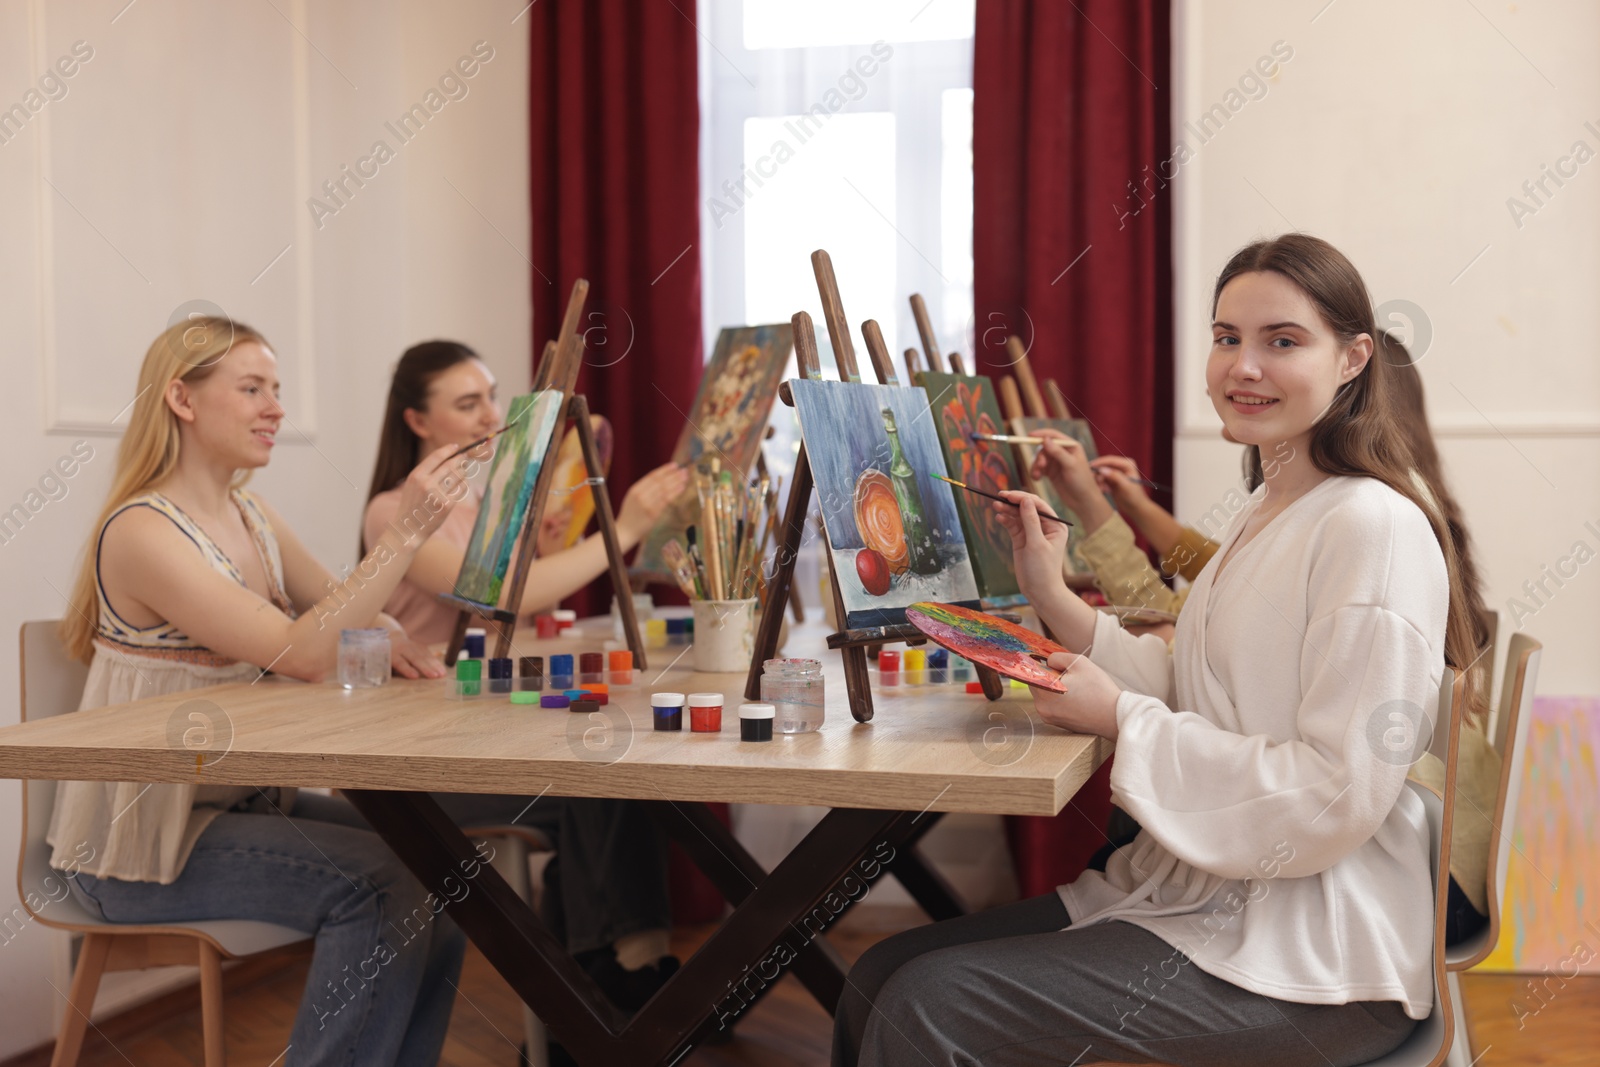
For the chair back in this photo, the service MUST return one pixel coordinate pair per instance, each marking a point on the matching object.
(52, 684)
(1511, 727)
(1429, 1043)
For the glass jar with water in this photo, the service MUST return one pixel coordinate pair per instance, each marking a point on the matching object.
(794, 688)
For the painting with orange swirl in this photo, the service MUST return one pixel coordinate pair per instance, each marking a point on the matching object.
(893, 529)
(964, 406)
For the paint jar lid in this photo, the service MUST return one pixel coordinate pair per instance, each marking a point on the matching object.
(553, 700)
(524, 696)
(705, 700)
(584, 706)
(621, 660)
(476, 631)
(888, 660)
(757, 711)
(598, 698)
(595, 687)
(677, 626)
(574, 694)
(938, 658)
(666, 700)
(564, 615)
(469, 670)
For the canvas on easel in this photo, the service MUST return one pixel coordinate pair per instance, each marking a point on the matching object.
(961, 408)
(893, 530)
(727, 421)
(518, 456)
(851, 644)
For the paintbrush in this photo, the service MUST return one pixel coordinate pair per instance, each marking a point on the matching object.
(1006, 438)
(683, 569)
(1135, 480)
(1002, 499)
(479, 442)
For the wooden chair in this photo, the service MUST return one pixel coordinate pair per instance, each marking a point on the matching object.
(513, 846)
(52, 684)
(1510, 741)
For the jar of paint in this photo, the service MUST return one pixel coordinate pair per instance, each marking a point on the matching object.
(500, 675)
(530, 674)
(546, 626)
(960, 670)
(938, 667)
(677, 631)
(561, 671)
(644, 607)
(705, 713)
(888, 669)
(755, 722)
(796, 689)
(655, 633)
(591, 667)
(620, 664)
(668, 710)
(916, 666)
(469, 678)
(565, 618)
(473, 649)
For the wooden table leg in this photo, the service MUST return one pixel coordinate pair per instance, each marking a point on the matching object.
(748, 953)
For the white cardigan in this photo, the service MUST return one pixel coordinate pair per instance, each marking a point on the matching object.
(1280, 851)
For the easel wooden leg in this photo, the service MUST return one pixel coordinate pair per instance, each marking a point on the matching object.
(458, 639)
(782, 584)
(858, 682)
(578, 408)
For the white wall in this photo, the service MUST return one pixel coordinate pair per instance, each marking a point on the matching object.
(1398, 132)
(184, 152)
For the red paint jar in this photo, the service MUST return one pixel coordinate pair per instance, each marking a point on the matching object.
(705, 713)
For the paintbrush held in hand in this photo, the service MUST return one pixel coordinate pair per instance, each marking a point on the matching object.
(1003, 500)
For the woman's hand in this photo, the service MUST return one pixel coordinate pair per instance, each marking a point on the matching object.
(412, 660)
(1064, 462)
(1117, 475)
(428, 495)
(1089, 706)
(1038, 548)
(646, 499)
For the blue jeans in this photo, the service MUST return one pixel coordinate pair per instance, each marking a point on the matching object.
(387, 958)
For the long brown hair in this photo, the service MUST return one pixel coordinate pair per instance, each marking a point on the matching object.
(1369, 431)
(188, 351)
(398, 447)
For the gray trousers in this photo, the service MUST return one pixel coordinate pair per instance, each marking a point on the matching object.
(1010, 988)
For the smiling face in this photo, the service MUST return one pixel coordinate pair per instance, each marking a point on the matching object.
(461, 408)
(1275, 363)
(233, 413)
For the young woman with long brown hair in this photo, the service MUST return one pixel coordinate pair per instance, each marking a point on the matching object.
(1276, 907)
(188, 581)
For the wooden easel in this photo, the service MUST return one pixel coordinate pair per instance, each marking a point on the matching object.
(558, 369)
(851, 644)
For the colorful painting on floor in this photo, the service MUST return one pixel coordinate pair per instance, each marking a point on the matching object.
(519, 454)
(1079, 431)
(892, 528)
(964, 406)
(727, 421)
(1548, 920)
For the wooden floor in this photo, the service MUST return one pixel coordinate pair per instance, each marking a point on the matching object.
(1510, 1026)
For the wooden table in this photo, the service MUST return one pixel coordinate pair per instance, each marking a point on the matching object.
(930, 749)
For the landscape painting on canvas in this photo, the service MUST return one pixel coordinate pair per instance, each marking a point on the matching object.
(961, 407)
(892, 527)
(519, 453)
(727, 421)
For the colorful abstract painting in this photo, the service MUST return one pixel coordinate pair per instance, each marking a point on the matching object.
(1078, 430)
(1548, 920)
(964, 406)
(728, 420)
(519, 454)
(892, 527)
(1011, 650)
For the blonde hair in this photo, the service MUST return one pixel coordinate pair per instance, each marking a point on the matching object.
(188, 351)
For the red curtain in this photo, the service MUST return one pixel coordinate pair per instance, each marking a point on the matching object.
(615, 147)
(614, 117)
(1072, 249)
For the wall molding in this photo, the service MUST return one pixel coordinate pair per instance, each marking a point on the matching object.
(303, 429)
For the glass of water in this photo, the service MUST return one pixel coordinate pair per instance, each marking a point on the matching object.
(363, 658)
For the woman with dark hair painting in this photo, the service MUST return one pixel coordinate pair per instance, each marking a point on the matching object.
(443, 394)
(1276, 906)
(606, 889)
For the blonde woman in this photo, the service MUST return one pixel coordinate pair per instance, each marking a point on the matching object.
(189, 581)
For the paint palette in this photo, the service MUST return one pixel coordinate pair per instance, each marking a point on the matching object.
(1009, 649)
